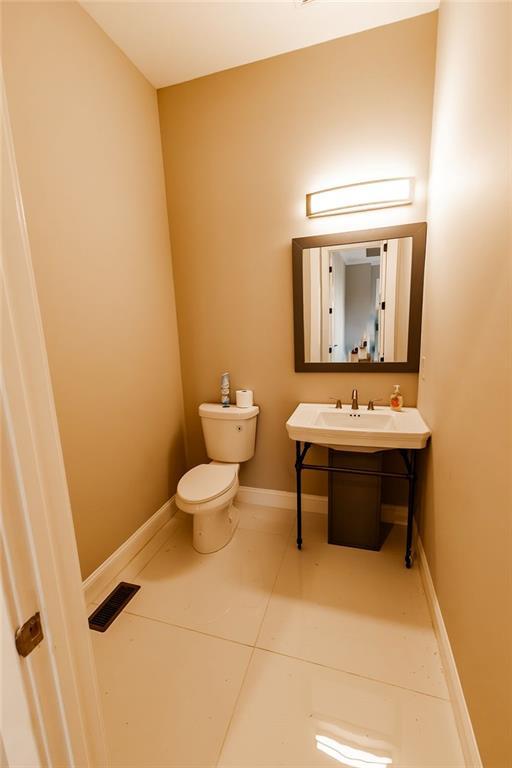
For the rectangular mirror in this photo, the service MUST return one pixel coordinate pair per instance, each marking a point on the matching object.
(357, 299)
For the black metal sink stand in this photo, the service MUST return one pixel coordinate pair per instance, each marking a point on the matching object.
(409, 459)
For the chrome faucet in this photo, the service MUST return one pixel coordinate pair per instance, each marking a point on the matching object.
(355, 403)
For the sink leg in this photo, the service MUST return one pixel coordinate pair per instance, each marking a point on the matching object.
(298, 470)
(410, 509)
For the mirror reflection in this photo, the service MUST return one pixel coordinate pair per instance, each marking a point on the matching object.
(356, 302)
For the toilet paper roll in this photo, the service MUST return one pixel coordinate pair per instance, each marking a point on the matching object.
(244, 398)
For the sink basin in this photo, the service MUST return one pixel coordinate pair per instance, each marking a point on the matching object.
(361, 430)
(359, 420)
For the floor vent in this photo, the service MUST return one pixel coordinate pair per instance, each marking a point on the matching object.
(112, 606)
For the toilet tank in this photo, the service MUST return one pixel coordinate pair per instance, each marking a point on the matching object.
(229, 433)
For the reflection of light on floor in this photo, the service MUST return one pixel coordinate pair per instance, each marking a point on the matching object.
(356, 758)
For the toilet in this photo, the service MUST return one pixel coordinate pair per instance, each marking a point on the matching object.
(208, 490)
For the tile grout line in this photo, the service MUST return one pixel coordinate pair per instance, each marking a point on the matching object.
(180, 517)
(219, 637)
(187, 629)
(326, 666)
(352, 674)
(286, 655)
(235, 707)
(285, 552)
(251, 646)
(254, 646)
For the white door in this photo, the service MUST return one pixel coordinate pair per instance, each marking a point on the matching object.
(337, 306)
(391, 261)
(381, 289)
(387, 300)
(325, 306)
(53, 715)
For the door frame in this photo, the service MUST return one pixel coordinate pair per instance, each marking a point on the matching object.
(58, 679)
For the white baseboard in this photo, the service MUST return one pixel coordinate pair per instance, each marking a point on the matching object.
(467, 738)
(397, 515)
(267, 497)
(141, 545)
(394, 513)
(310, 503)
(147, 539)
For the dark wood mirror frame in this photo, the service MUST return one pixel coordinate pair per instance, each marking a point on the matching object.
(418, 232)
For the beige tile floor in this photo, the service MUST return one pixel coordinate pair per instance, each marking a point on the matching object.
(260, 655)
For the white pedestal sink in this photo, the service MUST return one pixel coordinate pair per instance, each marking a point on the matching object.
(344, 429)
(360, 430)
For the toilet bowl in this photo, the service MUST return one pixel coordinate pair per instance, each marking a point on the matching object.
(207, 491)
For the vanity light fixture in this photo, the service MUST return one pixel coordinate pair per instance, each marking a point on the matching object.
(364, 196)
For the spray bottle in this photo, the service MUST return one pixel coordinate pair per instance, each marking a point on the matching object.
(224, 390)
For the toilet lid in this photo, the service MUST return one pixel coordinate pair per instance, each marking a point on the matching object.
(206, 482)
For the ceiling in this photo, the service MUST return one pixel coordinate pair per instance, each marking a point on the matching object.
(171, 42)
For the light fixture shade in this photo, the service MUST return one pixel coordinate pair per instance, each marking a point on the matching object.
(365, 196)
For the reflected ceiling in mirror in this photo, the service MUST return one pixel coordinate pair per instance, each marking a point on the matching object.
(357, 299)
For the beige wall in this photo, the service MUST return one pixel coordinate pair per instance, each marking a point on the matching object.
(466, 393)
(241, 150)
(86, 134)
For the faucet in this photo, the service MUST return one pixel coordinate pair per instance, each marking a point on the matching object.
(338, 402)
(355, 403)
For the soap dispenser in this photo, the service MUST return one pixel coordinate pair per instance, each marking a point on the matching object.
(224, 390)
(396, 400)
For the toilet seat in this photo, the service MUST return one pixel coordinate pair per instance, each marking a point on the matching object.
(206, 482)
